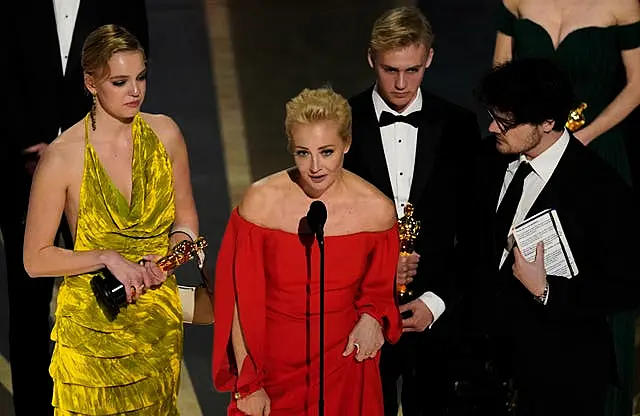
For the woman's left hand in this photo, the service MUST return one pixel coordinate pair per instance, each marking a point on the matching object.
(365, 338)
(155, 274)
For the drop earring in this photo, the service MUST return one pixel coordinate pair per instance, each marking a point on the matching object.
(92, 114)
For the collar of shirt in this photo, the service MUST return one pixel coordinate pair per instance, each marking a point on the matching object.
(66, 12)
(545, 163)
(380, 105)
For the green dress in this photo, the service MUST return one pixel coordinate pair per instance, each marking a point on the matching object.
(591, 57)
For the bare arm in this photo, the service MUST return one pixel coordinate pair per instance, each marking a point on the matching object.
(237, 339)
(186, 215)
(46, 205)
(503, 51)
(628, 11)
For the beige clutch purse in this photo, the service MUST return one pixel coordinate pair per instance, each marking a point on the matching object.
(197, 304)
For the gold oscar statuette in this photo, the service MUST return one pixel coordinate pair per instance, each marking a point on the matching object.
(408, 228)
(110, 292)
(576, 118)
(184, 251)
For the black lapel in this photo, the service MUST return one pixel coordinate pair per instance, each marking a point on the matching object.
(48, 22)
(370, 143)
(429, 135)
(87, 20)
(497, 167)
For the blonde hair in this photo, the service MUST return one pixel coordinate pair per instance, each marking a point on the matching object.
(400, 27)
(102, 44)
(316, 105)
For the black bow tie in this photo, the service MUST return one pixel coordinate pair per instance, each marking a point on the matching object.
(386, 118)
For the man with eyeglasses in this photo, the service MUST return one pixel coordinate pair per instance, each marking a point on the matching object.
(549, 333)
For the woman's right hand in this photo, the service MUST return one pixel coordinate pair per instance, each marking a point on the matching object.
(255, 404)
(136, 278)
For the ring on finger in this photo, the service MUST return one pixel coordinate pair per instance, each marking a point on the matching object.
(355, 344)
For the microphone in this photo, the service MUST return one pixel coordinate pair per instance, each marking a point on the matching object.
(316, 218)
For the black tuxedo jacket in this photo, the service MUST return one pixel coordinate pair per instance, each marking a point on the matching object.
(568, 340)
(42, 100)
(446, 135)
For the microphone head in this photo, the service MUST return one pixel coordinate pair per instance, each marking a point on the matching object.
(317, 217)
(320, 211)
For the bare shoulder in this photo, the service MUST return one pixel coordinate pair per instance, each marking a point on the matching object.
(166, 129)
(161, 123)
(65, 152)
(378, 213)
(260, 199)
(625, 11)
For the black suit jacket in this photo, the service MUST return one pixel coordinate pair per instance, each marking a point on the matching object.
(41, 100)
(568, 340)
(447, 133)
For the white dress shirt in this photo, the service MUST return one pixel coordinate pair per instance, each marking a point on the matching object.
(543, 166)
(399, 142)
(66, 12)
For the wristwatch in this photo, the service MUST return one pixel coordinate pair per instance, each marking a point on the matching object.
(542, 299)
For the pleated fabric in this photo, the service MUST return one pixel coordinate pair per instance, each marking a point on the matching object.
(130, 365)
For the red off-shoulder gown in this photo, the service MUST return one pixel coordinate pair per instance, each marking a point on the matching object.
(274, 276)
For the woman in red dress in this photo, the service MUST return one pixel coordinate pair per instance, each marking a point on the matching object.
(266, 341)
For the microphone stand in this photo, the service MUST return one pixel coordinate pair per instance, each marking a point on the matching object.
(320, 237)
(316, 219)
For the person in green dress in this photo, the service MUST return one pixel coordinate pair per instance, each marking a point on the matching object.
(597, 42)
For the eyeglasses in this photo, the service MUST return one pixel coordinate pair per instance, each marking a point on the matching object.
(503, 125)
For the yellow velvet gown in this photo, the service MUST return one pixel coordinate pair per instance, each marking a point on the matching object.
(131, 365)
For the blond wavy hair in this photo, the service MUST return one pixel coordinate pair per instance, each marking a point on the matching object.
(102, 44)
(317, 105)
(400, 27)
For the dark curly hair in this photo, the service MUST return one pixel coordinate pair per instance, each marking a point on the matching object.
(527, 91)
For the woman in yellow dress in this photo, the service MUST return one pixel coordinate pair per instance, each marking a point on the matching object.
(121, 178)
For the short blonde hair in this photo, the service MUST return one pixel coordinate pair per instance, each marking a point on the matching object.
(102, 44)
(316, 105)
(400, 27)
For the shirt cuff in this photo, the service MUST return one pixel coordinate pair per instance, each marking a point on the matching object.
(434, 303)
